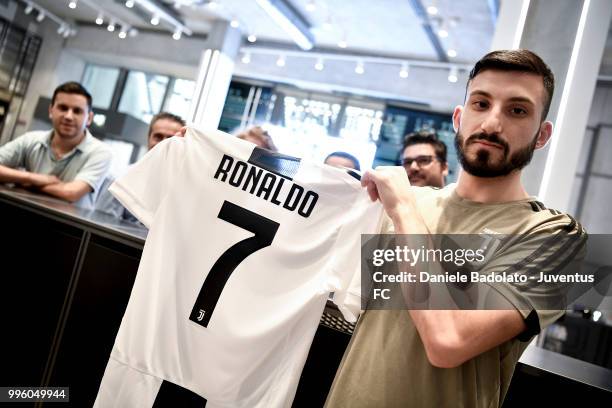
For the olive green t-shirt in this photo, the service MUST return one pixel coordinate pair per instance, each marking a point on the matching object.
(386, 365)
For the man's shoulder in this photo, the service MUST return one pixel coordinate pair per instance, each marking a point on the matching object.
(543, 219)
(94, 146)
(34, 136)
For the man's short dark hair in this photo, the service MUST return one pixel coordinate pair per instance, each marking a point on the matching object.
(521, 61)
(347, 156)
(426, 137)
(72, 88)
(165, 115)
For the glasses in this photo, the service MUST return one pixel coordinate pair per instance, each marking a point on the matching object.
(421, 161)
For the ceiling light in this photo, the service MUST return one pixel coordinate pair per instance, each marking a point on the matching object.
(432, 10)
(28, 9)
(281, 61)
(404, 71)
(235, 23)
(359, 69)
(311, 6)
(213, 4)
(111, 26)
(41, 16)
(289, 21)
(72, 4)
(100, 19)
(342, 44)
(66, 33)
(252, 38)
(246, 58)
(177, 34)
(319, 65)
(453, 74)
(61, 29)
(451, 53)
(129, 4)
(155, 20)
(442, 33)
(132, 32)
(122, 34)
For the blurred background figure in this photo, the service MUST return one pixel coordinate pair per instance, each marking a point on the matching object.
(342, 159)
(163, 126)
(424, 159)
(259, 136)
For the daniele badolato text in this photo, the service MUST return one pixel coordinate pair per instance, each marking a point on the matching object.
(458, 260)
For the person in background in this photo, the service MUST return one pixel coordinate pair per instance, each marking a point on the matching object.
(259, 136)
(424, 159)
(66, 162)
(342, 159)
(163, 125)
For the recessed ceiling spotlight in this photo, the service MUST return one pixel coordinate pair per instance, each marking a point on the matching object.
(359, 68)
(252, 38)
(28, 9)
(72, 4)
(432, 10)
(442, 32)
(281, 61)
(129, 4)
(111, 26)
(41, 16)
(319, 66)
(342, 44)
(311, 6)
(177, 34)
(100, 19)
(155, 20)
(246, 58)
(404, 70)
(451, 53)
(453, 74)
(235, 23)
(122, 34)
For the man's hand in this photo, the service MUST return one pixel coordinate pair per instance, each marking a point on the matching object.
(390, 185)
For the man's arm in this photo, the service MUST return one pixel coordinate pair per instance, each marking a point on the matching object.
(450, 337)
(26, 178)
(69, 191)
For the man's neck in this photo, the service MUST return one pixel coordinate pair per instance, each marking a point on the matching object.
(491, 190)
(62, 145)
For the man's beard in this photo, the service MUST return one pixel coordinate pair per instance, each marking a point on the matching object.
(482, 166)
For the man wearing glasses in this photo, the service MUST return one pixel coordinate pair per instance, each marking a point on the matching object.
(424, 159)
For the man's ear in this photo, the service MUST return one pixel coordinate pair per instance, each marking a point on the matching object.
(546, 129)
(445, 169)
(457, 117)
(90, 118)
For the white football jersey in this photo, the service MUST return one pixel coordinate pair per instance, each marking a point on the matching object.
(243, 249)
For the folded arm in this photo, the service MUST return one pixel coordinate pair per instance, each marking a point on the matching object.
(69, 191)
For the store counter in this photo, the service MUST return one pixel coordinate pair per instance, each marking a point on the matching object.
(67, 277)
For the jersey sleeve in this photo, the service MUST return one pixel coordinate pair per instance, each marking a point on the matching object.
(554, 249)
(142, 189)
(365, 217)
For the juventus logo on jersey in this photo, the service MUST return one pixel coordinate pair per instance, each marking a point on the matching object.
(201, 315)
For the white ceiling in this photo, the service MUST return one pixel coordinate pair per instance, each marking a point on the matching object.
(373, 27)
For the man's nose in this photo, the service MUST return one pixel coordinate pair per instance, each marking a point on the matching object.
(69, 114)
(492, 123)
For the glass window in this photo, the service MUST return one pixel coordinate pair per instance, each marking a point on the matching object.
(143, 95)
(179, 97)
(100, 82)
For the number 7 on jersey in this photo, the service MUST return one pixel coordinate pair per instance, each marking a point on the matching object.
(264, 230)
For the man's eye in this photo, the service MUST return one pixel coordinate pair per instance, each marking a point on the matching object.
(519, 111)
(480, 104)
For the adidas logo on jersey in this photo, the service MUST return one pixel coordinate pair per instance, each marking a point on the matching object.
(266, 185)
